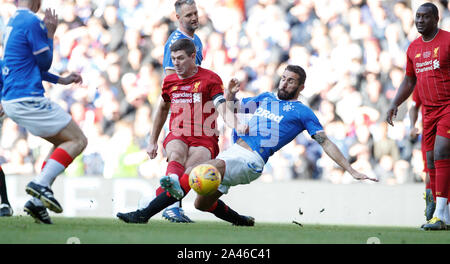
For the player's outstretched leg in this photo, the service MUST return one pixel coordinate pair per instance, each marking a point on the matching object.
(171, 184)
(212, 203)
(222, 211)
(36, 209)
(5, 206)
(141, 216)
(68, 143)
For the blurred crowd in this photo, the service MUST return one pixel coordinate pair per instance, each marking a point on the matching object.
(353, 52)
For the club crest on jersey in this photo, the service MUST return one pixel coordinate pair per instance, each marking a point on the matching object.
(5, 71)
(196, 85)
(288, 107)
(435, 52)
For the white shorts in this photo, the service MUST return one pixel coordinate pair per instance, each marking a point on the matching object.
(40, 116)
(242, 167)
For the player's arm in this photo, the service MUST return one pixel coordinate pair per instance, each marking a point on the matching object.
(44, 57)
(413, 116)
(335, 154)
(160, 118)
(226, 107)
(73, 77)
(233, 104)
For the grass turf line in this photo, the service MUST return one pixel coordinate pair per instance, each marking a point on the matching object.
(23, 230)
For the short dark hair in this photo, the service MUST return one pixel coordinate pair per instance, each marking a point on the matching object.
(434, 9)
(299, 71)
(179, 3)
(183, 44)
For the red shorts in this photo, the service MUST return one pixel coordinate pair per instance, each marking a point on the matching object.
(211, 143)
(436, 121)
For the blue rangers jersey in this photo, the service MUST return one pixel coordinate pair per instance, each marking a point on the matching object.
(275, 123)
(176, 35)
(25, 37)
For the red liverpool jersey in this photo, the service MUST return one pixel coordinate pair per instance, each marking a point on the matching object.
(429, 62)
(191, 103)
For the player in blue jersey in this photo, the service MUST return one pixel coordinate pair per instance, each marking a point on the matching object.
(187, 15)
(276, 121)
(28, 54)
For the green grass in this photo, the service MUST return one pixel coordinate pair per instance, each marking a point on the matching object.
(22, 229)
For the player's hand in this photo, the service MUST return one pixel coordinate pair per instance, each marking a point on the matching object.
(233, 88)
(360, 176)
(73, 77)
(414, 133)
(51, 22)
(242, 129)
(152, 150)
(391, 113)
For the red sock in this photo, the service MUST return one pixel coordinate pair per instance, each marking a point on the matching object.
(442, 177)
(184, 182)
(432, 173)
(213, 207)
(175, 167)
(43, 165)
(62, 157)
(159, 190)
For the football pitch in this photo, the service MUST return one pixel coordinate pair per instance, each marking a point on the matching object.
(23, 230)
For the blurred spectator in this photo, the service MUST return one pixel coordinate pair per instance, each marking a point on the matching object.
(383, 145)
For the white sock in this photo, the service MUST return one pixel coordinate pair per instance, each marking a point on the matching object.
(175, 178)
(441, 211)
(447, 213)
(49, 173)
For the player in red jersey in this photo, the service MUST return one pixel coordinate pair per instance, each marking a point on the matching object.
(427, 70)
(430, 187)
(193, 95)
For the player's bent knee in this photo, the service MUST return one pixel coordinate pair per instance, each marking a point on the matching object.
(177, 156)
(442, 148)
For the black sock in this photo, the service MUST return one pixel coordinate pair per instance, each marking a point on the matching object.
(224, 212)
(3, 193)
(158, 204)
